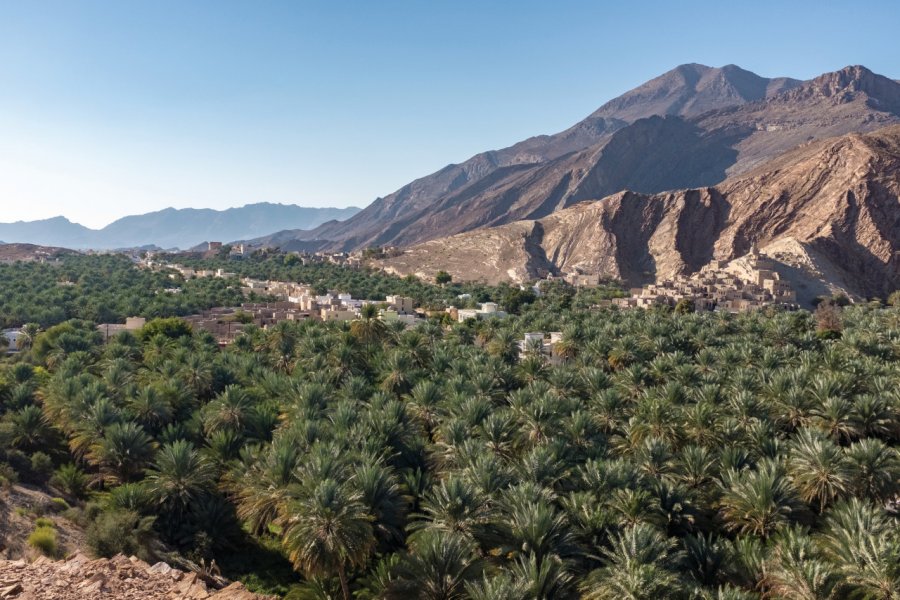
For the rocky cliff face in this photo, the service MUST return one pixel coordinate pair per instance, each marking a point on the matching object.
(831, 207)
(692, 127)
(123, 578)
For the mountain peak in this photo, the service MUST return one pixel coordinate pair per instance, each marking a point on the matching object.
(692, 89)
(853, 77)
(846, 84)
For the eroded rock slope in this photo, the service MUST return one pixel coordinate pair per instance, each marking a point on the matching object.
(832, 202)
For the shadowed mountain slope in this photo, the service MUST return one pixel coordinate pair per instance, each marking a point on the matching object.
(831, 207)
(694, 127)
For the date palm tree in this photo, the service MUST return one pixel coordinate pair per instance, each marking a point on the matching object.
(438, 566)
(261, 486)
(640, 565)
(874, 469)
(455, 507)
(30, 429)
(399, 373)
(500, 585)
(818, 468)
(837, 417)
(798, 571)
(383, 497)
(180, 475)
(328, 530)
(538, 530)
(122, 453)
(150, 408)
(424, 402)
(758, 502)
(197, 374)
(27, 335)
(546, 578)
(863, 542)
(229, 410)
(368, 329)
(695, 467)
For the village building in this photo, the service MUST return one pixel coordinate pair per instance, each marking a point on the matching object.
(488, 310)
(111, 329)
(583, 279)
(13, 337)
(401, 304)
(541, 344)
(392, 316)
(336, 313)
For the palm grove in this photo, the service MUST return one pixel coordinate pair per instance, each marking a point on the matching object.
(667, 456)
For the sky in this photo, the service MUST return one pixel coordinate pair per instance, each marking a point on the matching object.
(114, 108)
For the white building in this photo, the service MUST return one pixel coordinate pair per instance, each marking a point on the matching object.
(543, 344)
(12, 337)
(488, 310)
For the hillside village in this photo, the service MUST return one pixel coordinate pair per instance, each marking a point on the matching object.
(749, 283)
(719, 286)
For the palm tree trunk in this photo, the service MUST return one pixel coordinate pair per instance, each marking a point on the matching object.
(342, 573)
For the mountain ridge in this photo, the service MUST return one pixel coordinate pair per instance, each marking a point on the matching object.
(679, 144)
(170, 227)
(831, 203)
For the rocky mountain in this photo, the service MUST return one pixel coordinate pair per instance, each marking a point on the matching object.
(828, 211)
(692, 127)
(180, 228)
(29, 252)
(691, 90)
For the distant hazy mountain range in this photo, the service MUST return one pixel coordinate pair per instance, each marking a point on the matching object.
(173, 228)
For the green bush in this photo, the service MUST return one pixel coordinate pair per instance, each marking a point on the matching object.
(19, 463)
(134, 497)
(121, 532)
(171, 327)
(58, 505)
(43, 539)
(71, 481)
(894, 298)
(76, 515)
(41, 466)
(828, 334)
(684, 306)
(8, 472)
(44, 522)
(91, 512)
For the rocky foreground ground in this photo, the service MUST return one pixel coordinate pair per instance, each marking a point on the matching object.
(119, 578)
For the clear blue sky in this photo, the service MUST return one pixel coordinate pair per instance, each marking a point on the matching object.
(120, 107)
